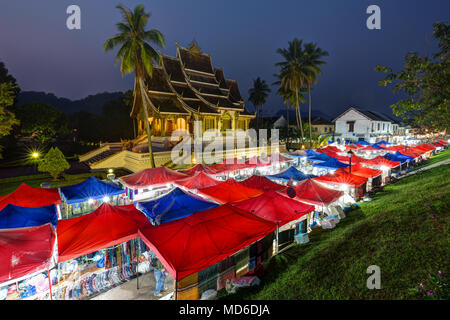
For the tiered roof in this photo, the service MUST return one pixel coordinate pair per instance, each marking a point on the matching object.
(188, 83)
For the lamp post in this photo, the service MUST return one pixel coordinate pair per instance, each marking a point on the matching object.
(35, 156)
(350, 154)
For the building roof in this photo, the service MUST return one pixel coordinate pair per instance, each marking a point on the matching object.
(370, 114)
(195, 85)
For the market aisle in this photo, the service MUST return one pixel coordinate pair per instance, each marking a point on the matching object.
(128, 291)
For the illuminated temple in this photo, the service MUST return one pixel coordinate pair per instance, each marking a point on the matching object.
(188, 88)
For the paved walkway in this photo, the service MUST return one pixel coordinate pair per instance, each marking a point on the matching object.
(431, 166)
(129, 291)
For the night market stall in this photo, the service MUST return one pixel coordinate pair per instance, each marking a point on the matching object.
(29, 197)
(197, 181)
(175, 205)
(98, 251)
(262, 183)
(85, 197)
(374, 176)
(150, 183)
(351, 184)
(13, 216)
(288, 174)
(286, 213)
(187, 246)
(26, 264)
(229, 191)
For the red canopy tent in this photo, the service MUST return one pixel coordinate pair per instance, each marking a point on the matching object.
(340, 177)
(411, 153)
(351, 147)
(198, 181)
(274, 207)
(103, 228)
(198, 168)
(370, 148)
(229, 191)
(29, 197)
(261, 183)
(259, 162)
(229, 165)
(346, 160)
(151, 177)
(443, 142)
(381, 162)
(330, 149)
(359, 170)
(396, 148)
(424, 148)
(194, 243)
(437, 145)
(312, 192)
(24, 251)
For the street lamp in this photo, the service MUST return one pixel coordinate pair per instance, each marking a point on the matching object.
(350, 155)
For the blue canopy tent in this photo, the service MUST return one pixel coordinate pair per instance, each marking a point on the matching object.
(362, 142)
(383, 142)
(311, 153)
(398, 157)
(291, 173)
(321, 157)
(13, 216)
(91, 188)
(378, 147)
(331, 164)
(175, 205)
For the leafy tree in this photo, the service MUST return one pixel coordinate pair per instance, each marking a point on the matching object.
(43, 121)
(54, 163)
(258, 96)
(137, 56)
(6, 77)
(425, 81)
(7, 118)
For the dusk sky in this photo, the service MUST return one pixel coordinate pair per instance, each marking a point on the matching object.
(242, 36)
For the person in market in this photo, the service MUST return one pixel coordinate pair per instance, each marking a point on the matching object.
(160, 276)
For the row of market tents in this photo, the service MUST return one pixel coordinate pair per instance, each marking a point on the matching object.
(201, 221)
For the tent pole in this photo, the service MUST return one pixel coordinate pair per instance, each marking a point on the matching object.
(175, 297)
(276, 252)
(50, 284)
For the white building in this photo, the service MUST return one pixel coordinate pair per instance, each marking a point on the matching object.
(358, 124)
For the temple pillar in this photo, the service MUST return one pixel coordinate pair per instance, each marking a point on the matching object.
(163, 126)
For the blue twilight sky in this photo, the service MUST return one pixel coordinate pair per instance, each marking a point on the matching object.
(242, 36)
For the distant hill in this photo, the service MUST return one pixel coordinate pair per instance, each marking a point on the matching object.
(92, 103)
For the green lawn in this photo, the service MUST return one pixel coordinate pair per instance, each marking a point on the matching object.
(396, 231)
(8, 185)
(436, 158)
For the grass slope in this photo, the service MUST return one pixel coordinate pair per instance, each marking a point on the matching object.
(396, 231)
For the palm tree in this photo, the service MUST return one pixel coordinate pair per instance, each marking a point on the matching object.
(312, 56)
(292, 73)
(289, 97)
(137, 56)
(258, 95)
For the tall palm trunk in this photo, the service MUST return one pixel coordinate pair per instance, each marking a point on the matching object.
(299, 114)
(287, 126)
(310, 125)
(144, 110)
